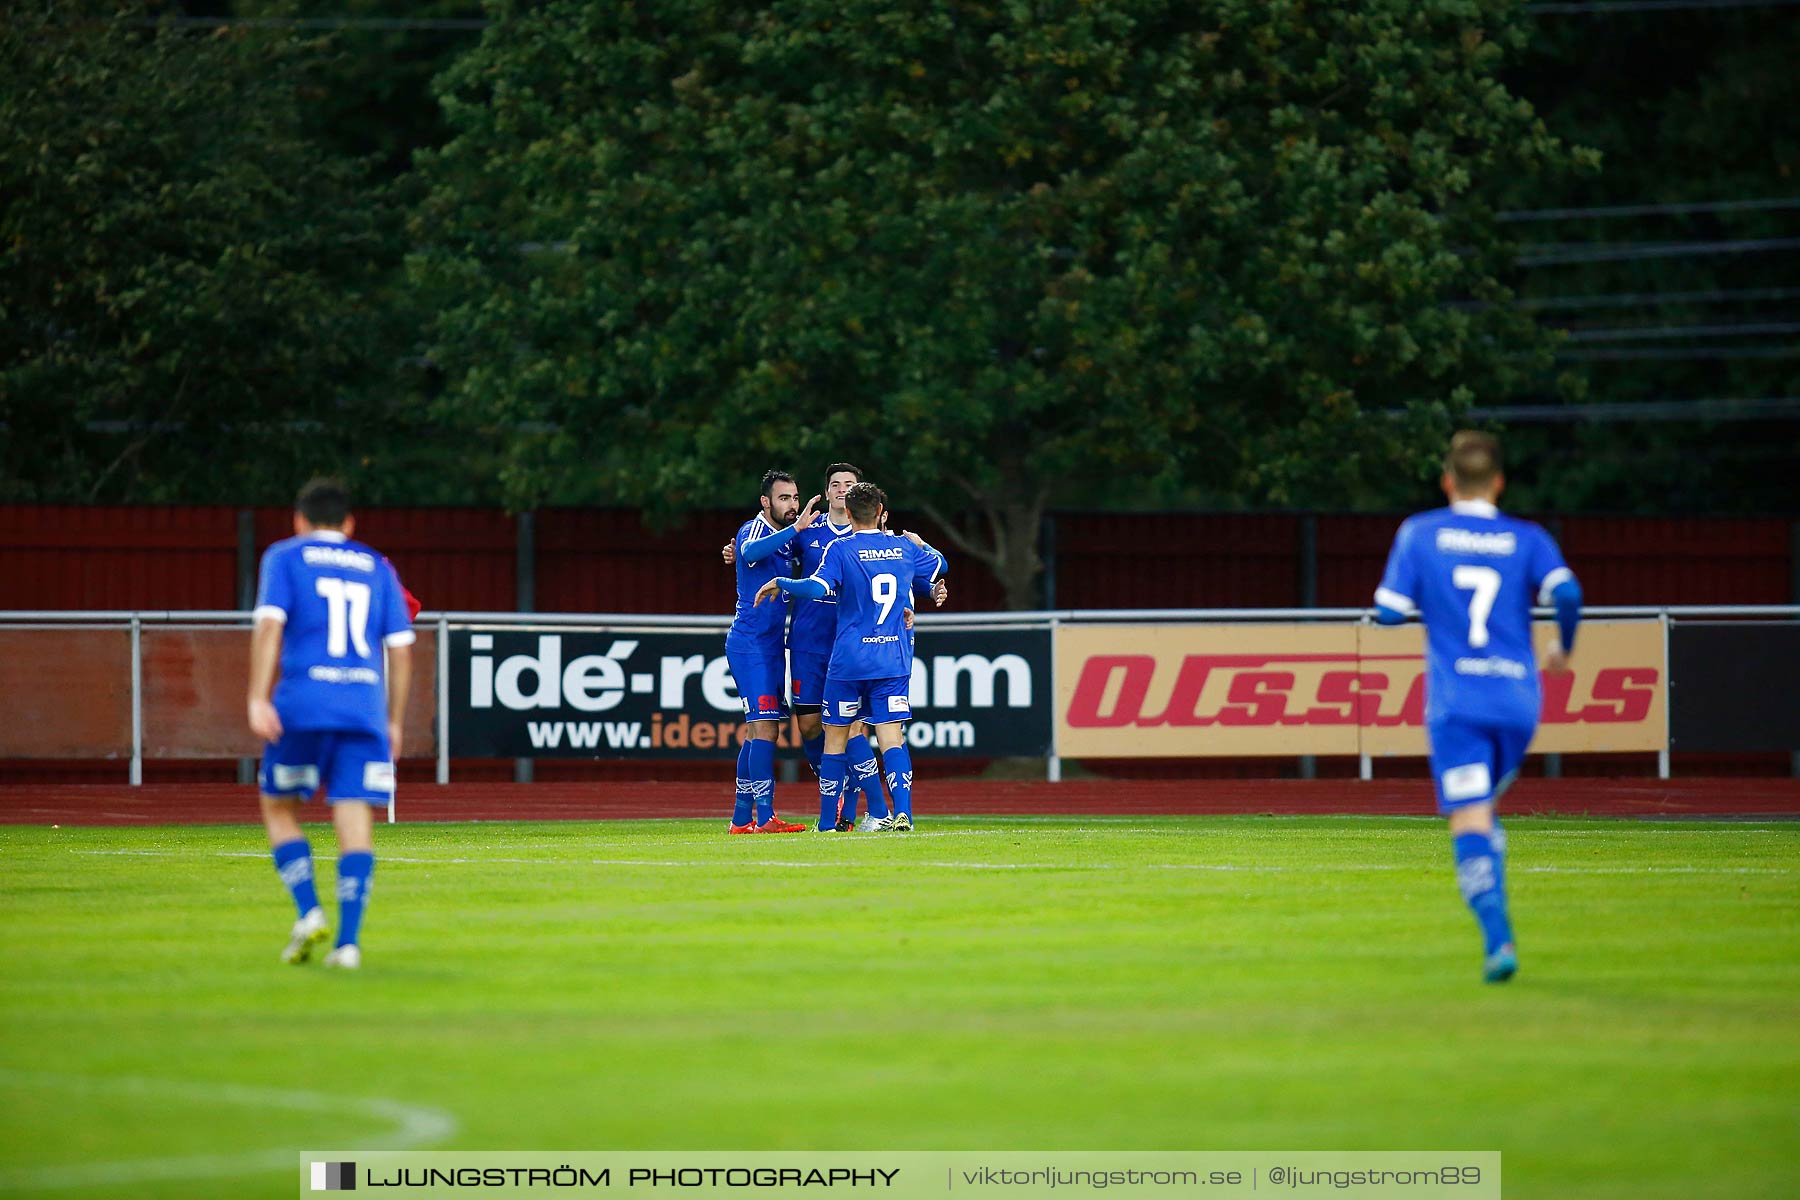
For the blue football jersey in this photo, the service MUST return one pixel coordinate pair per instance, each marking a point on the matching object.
(815, 621)
(872, 576)
(759, 629)
(339, 603)
(1472, 574)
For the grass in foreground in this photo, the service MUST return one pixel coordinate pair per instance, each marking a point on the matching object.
(1163, 983)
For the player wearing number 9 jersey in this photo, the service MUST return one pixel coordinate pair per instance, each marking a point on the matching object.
(1472, 574)
(331, 614)
(871, 575)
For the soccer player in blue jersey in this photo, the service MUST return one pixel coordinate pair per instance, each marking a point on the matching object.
(327, 608)
(1471, 574)
(810, 636)
(809, 648)
(872, 576)
(756, 648)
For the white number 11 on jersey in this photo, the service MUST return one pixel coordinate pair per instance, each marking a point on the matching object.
(1485, 583)
(347, 606)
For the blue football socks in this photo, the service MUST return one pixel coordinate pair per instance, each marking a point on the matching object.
(762, 779)
(293, 862)
(746, 794)
(814, 749)
(834, 770)
(865, 774)
(354, 870)
(1479, 873)
(898, 762)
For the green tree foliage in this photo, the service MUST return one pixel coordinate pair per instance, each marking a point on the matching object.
(1010, 255)
(1688, 107)
(194, 297)
(371, 97)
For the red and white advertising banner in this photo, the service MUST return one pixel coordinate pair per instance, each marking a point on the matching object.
(1193, 691)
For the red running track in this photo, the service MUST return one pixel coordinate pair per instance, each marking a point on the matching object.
(223, 804)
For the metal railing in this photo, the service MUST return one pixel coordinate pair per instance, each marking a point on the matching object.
(135, 620)
(122, 618)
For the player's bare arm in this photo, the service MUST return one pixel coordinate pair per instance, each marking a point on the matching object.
(399, 673)
(265, 656)
(767, 591)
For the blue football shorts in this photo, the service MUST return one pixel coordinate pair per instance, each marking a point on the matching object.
(348, 764)
(759, 680)
(877, 701)
(1474, 763)
(809, 678)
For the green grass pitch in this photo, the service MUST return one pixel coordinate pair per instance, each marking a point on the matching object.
(1072, 983)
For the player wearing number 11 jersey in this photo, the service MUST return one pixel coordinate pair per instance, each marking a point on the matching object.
(332, 616)
(1471, 573)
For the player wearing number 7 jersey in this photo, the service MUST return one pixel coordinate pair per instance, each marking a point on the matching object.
(1471, 573)
(331, 614)
(871, 575)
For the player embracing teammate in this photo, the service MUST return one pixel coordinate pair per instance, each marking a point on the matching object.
(810, 637)
(756, 648)
(871, 575)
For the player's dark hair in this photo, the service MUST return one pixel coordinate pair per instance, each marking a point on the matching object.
(1474, 460)
(324, 502)
(864, 501)
(840, 468)
(772, 477)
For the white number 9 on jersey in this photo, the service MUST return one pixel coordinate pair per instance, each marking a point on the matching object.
(885, 589)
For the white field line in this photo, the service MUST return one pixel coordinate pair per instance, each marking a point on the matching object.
(412, 1126)
(1659, 832)
(635, 843)
(1091, 819)
(639, 842)
(903, 864)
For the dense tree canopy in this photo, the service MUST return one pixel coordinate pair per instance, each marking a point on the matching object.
(1121, 253)
(1009, 255)
(190, 290)
(1678, 287)
(372, 95)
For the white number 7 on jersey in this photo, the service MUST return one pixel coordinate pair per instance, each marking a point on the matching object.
(885, 589)
(1485, 582)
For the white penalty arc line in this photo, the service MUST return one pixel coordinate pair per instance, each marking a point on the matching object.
(414, 1126)
(901, 864)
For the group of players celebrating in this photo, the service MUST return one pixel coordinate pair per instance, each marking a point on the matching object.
(851, 644)
(326, 700)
